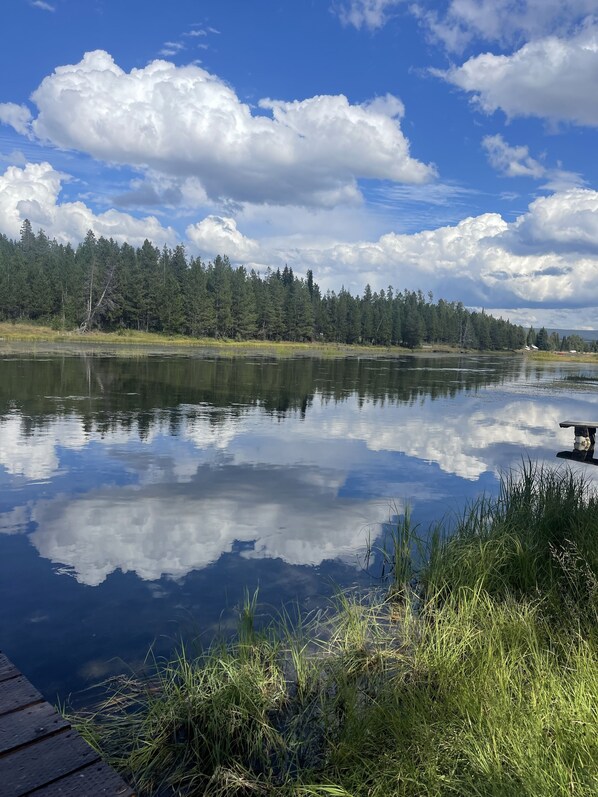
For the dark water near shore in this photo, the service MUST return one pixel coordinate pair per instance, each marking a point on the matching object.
(139, 497)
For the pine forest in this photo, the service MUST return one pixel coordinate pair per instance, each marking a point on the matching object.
(104, 285)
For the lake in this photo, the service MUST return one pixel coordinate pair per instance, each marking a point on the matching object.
(140, 496)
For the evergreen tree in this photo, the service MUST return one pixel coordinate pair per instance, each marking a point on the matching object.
(274, 299)
(367, 316)
(201, 310)
(172, 315)
(542, 340)
(413, 328)
(106, 286)
(531, 337)
(243, 306)
(150, 294)
(354, 321)
(219, 281)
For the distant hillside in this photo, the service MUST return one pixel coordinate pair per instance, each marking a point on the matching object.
(585, 334)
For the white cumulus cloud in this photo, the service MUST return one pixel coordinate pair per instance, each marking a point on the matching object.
(551, 78)
(502, 21)
(217, 235)
(184, 121)
(565, 222)
(511, 161)
(33, 193)
(549, 254)
(17, 116)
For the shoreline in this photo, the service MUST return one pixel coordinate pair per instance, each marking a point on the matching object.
(27, 337)
(449, 681)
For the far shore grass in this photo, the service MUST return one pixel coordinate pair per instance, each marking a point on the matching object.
(563, 356)
(35, 334)
(475, 675)
(128, 341)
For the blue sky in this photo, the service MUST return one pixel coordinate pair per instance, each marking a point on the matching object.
(448, 146)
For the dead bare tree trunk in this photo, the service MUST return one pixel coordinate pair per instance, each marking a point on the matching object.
(93, 310)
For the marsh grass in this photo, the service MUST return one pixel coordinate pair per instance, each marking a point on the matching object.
(554, 356)
(135, 342)
(481, 681)
(538, 539)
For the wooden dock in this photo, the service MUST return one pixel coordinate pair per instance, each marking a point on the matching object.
(40, 754)
(589, 425)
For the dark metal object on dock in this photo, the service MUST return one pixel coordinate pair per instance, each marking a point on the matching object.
(584, 441)
(585, 433)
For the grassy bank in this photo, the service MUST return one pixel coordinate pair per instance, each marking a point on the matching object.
(565, 356)
(153, 341)
(481, 680)
(128, 341)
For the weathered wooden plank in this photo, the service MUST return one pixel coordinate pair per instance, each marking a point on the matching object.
(7, 668)
(95, 780)
(17, 693)
(39, 764)
(28, 724)
(40, 753)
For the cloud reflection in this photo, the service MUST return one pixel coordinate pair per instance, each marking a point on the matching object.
(162, 529)
(260, 486)
(458, 442)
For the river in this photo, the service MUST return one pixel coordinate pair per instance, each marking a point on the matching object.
(140, 496)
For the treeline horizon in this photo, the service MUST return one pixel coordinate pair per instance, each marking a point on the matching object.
(103, 285)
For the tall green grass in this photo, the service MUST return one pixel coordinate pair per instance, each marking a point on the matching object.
(538, 539)
(481, 680)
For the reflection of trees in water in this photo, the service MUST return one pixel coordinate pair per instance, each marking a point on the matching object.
(109, 393)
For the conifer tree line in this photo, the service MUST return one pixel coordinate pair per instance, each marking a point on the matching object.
(104, 285)
(545, 341)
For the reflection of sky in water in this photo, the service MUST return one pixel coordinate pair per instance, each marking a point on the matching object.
(165, 525)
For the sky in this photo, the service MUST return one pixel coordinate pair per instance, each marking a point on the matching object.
(442, 145)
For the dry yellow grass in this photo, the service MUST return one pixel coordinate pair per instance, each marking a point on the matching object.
(33, 333)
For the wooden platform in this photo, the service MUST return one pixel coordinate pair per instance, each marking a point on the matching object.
(40, 754)
(581, 424)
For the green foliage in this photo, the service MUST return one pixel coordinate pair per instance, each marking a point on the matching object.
(538, 538)
(487, 684)
(574, 343)
(543, 340)
(107, 286)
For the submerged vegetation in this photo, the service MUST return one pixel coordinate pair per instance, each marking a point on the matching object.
(478, 675)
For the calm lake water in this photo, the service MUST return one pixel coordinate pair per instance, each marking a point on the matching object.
(140, 496)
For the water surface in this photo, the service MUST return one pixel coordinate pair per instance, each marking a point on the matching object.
(140, 496)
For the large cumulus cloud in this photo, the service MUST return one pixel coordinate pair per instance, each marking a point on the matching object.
(565, 222)
(547, 255)
(184, 121)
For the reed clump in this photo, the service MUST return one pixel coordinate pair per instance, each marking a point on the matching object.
(536, 540)
(475, 674)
